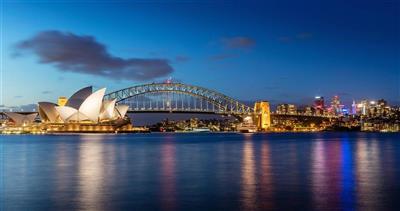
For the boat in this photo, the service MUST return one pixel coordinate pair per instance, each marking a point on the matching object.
(201, 130)
(247, 128)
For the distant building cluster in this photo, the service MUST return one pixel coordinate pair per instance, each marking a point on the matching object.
(194, 125)
(365, 115)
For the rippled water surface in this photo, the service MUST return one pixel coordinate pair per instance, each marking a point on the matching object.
(315, 171)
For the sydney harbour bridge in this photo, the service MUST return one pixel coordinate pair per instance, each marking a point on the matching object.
(171, 97)
(178, 98)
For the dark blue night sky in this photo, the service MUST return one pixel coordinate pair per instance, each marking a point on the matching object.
(281, 51)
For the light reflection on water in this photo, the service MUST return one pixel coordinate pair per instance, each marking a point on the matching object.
(248, 176)
(339, 171)
(319, 180)
(266, 180)
(92, 173)
(168, 177)
(327, 174)
(368, 175)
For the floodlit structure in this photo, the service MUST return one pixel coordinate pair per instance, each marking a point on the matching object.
(21, 119)
(83, 106)
(263, 115)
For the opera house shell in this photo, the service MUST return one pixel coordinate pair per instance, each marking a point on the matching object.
(83, 106)
(21, 119)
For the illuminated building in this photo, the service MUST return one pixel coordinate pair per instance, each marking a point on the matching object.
(335, 105)
(382, 103)
(319, 105)
(62, 101)
(194, 122)
(382, 107)
(362, 107)
(308, 111)
(286, 109)
(21, 119)
(83, 106)
(375, 108)
(263, 115)
(354, 108)
(48, 113)
(372, 108)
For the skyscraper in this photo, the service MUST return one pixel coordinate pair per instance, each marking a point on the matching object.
(354, 108)
(319, 105)
(335, 106)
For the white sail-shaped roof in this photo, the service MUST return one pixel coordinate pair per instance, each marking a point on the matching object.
(77, 117)
(66, 112)
(120, 110)
(83, 105)
(48, 112)
(107, 110)
(76, 100)
(20, 119)
(92, 105)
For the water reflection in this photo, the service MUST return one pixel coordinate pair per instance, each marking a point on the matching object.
(318, 174)
(266, 180)
(91, 173)
(347, 179)
(248, 175)
(334, 174)
(326, 174)
(168, 189)
(368, 175)
(65, 167)
(201, 172)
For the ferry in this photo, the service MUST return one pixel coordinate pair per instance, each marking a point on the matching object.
(247, 128)
(201, 130)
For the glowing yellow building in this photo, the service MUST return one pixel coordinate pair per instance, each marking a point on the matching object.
(262, 115)
(62, 101)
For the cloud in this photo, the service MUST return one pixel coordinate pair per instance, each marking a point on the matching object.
(84, 54)
(223, 56)
(46, 92)
(18, 96)
(182, 58)
(238, 42)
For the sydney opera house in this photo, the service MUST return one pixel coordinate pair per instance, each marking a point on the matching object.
(84, 111)
(85, 106)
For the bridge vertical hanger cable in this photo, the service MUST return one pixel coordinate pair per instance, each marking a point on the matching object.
(176, 101)
(151, 107)
(182, 102)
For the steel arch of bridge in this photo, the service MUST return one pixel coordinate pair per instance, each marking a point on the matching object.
(222, 103)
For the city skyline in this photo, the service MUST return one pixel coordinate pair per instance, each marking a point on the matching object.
(250, 52)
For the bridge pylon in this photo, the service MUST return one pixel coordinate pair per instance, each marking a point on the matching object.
(262, 115)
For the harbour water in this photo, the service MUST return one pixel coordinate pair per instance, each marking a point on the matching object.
(210, 171)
